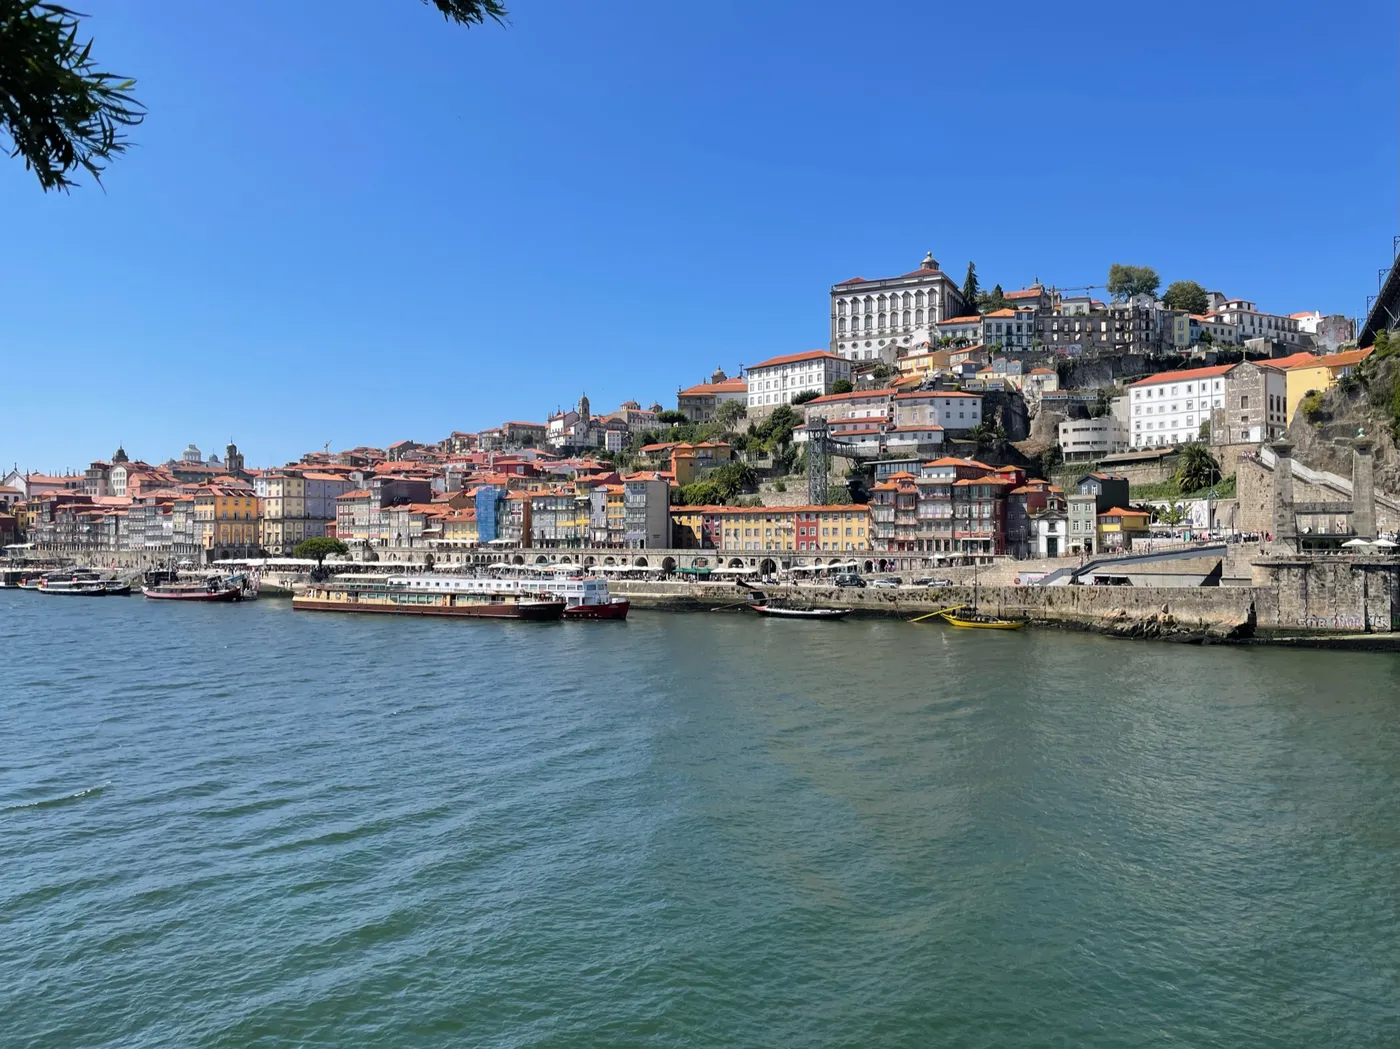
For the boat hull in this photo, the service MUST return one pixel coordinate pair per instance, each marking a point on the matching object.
(534, 611)
(87, 591)
(801, 613)
(217, 595)
(972, 624)
(611, 610)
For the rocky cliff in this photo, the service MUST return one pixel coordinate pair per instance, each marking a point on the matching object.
(1366, 404)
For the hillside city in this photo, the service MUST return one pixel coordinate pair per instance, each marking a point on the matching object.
(942, 419)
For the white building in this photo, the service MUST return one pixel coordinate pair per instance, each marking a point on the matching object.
(872, 320)
(1169, 408)
(1009, 329)
(1255, 325)
(948, 409)
(1092, 438)
(965, 330)
(779, 379)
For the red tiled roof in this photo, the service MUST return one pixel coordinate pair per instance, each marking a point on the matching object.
(1117, 512)
(1185, 375)
(706, 388)
(969, 319)
(1345, 358)
(1002, 313)
(908, 394)
(832, 398)
(1025, 293)
(795, 358)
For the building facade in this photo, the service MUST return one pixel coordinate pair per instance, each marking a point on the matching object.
(778, 380)
(1170, 408)
(1093, 438)
(872, 320)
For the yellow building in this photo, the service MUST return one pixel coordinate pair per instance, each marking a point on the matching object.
(1305, 373)
(283, 501)
(227, 519)
(617, 512)
(1118, 528)
(929, 362)
(778, 529)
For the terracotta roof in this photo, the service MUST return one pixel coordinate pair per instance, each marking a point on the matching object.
(795, 358)
(1001, 313)
(969, 319)
(362, 493)
(1185, 375)
(988, 479)
(1025, 293)
(705, 388)
(1345, 358)
(832, 398)
(1118, 512)
(934, 393)
(1043, 371)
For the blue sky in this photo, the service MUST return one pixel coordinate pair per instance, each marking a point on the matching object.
(352, 222)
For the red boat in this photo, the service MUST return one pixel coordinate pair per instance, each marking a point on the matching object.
(615, 608)
(192, 592)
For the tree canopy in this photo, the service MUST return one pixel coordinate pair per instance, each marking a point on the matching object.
(1186, 295)
(1126, 281)
(991, 301)
(970, 288)
(805, 396)
(729, 413)
(320, 547)
(732, 478)
(62, 114)
(673, 416)
(1197, 469)
(842, 386)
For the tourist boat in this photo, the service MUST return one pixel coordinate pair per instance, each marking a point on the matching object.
(584, 597)
(428, 596)
(801, 613)
(210, 590)
(77, 586)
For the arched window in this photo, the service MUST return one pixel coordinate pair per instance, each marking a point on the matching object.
(884, 321)
(868, 319)
(906, 318)
(918, 298)
(918, 316)
(841, 325)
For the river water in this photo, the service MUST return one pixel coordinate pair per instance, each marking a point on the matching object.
(242, 826)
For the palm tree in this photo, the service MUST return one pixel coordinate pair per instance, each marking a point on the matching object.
(981, 433)
(1197, 468)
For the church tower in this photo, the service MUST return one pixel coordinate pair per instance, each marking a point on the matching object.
(233, 460)
(583, 408)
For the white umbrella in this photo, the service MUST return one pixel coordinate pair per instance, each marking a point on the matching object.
(1356, 542)
(1385, 543)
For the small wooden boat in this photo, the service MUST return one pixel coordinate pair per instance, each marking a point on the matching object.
(972, 619)
(801, 613)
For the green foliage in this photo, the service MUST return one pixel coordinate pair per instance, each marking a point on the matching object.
(729, 413)
(1311, 405)
(1395, 407)
(59, 111)
(1186, 295)
(842, 386)
(1197, 468)
(1103, 404)
(970, 289)
(990, 301)
(1127, 281)
(777, 428)
(1385, 345)
(1174, 514)
(732, 478)
(673, 418)
(780, 485)
(982, 434)
(881, 371)
(1203, 431)
(699, 493)
(320, 547)
(470, 12)
(1207, 338)
(805, 396)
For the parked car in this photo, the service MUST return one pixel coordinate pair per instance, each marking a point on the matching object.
(849, 579)
(885, 584)
(933, 581)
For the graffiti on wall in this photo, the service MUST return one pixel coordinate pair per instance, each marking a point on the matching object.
(1338, 622)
